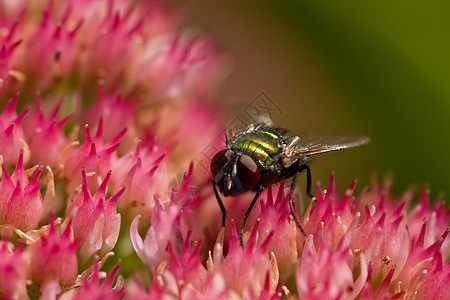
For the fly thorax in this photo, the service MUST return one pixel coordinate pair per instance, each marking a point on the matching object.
(260, 146)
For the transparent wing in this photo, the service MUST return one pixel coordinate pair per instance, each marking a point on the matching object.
(238, 127)
(299, 147)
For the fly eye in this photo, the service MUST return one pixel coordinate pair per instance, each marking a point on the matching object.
(219, 160)
(248, 172)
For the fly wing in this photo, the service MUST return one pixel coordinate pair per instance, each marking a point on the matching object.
(237, 127)
(299, 147)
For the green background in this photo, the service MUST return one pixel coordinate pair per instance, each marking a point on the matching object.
(349, 68)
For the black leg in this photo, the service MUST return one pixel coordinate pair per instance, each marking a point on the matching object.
(222, 207)
(308, 179)
(308, 182)
(247, 213)
(291, 195)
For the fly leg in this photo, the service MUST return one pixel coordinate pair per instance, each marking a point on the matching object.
(247, 213)
(222, 207)
(291, 195)
(308, 179)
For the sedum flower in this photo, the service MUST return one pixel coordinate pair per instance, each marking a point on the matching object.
(13, 271)
(10, 79)
(249, 272)
(369, 252)
(91, 288)
(140, 85)
(111, 106)
(325, 275)
(144, 174)
(94, 219)
(40, 129)
(94, 156)
(12, 137)
(21, 204)
(374, 226)
(53, 43)
(153, 249)
(53, 259)
(275, 218)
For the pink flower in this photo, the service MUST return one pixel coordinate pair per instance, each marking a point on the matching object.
(20, 200)
(141, 85)
(375, 227)
(153, 249)
(92, 289)
(94, 220)
(10, 80)
(350, 255)
(275, 218)
(104, 40)
(111, 107)
(41, 129)
(251, 271)
(94, 156)
(426, 224)
(13, 271)
(144, 174)
(12, 137)
(179, 65)
(185, 264)
(325, 275)
(53, 42)
(54, 259)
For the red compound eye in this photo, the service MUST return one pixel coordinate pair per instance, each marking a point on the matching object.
(219, 160)
(248, 172)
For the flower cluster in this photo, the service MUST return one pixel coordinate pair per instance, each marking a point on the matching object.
(74, 201)
(365, 247)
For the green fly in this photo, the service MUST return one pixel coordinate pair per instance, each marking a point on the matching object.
(262, 155)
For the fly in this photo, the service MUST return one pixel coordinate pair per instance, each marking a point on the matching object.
(262, 155)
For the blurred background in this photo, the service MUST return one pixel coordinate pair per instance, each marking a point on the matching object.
(345, 68)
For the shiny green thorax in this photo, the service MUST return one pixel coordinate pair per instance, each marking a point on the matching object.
(262, 145)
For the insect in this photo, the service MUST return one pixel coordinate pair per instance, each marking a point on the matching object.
(262, 155)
